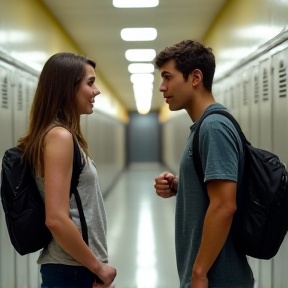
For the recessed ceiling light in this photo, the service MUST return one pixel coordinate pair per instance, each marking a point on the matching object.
(142, 78)
(138, 34)
(143, 98)
(143, 89)
(135, 3)
(141, 68)
(143, 105)
(140, 54)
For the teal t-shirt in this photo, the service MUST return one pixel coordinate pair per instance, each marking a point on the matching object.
(222, 158)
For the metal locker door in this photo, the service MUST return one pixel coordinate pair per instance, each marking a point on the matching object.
(255, 108)
(19, 128)
(19, 106)
(7, 261)
(30, 88)
(235, 95)
(280, 145)
(231, 97)
(255, 266)
(226, 97)
(33, 271)
(250, 126)
(265, 279)
(280, 276)
(218, 93)
(6, 111)
(244, 99)
(280, 105)
(265, 105)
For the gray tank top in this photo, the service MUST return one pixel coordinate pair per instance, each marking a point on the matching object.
(93, 207)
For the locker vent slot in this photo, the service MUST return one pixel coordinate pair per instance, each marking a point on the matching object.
(20, 97)
(265, 86)
(245, 93)
(4, 92)
(232, 98)
(256, 89)
(282, 80)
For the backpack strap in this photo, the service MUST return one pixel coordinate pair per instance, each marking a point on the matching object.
(77, 169)
(195, 148)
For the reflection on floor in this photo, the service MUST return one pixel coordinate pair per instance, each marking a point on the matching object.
(141, 230)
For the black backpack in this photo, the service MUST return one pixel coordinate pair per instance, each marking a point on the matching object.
(261, 220)
(23, 205)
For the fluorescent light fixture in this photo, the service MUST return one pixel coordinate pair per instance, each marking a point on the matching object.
(143, 88)
(140, 54)
(138, 34)
(135, 3)
(143, 103)
(142, 98)
(141, 68)
(143, 95)
(142, 78)
(144, 108)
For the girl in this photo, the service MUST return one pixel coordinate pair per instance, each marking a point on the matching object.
(66, 89)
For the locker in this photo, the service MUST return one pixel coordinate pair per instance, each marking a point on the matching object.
(30, 87)
(234, 91)
(280, 142)
(19, 105)
(255, 107)
(265, 105)
(280, 261)
(6, 109)
(7, 260)
(231, 100)
(245, 99)
(280, 105)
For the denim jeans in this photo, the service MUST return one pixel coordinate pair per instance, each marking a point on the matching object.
(65, 276)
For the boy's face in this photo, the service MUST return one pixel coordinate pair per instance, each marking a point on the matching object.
(176, 90)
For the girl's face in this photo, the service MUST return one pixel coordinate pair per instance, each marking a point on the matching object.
(87, 91)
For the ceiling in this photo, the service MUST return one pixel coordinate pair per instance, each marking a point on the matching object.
(95, 25)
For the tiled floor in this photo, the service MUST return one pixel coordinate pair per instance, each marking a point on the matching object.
(141, 230)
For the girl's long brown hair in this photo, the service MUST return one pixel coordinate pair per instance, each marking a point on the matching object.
(55, 99)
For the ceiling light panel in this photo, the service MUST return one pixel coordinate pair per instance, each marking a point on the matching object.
(140, 54)
(135, 3)
(138, 34)
(142, 78)
(141, 68)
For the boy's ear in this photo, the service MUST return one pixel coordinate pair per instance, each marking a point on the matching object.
(196, 76)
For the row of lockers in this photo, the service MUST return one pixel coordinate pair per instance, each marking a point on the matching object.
(256, 94)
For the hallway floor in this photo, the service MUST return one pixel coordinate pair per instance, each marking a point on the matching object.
(141, 230)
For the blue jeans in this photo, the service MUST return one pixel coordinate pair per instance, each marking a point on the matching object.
(66, 276)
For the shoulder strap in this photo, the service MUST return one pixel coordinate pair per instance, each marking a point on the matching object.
(77, 168)
(196, 153)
